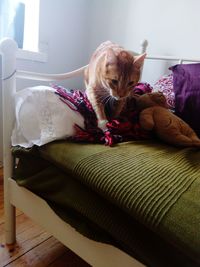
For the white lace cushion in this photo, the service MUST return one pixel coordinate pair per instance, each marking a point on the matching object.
(41, 117)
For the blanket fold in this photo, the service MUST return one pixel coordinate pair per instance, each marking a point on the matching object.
(146, 185)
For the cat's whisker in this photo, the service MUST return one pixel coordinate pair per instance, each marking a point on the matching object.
(104, 99)
(108, 99)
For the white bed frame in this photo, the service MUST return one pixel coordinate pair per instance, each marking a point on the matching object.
(95, 253)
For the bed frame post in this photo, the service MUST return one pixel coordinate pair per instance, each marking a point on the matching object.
(143, 49)
(143, 46)
(8, 50)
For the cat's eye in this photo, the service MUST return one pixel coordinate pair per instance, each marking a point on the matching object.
(115, 82)
(131, 83)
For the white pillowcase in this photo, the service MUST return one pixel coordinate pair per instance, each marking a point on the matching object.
(41, 117)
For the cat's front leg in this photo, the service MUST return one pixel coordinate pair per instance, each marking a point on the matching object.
(102, 124)
(98, 107)
(101, 117)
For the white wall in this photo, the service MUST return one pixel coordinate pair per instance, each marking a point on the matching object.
(172, 27)
(108, 21)
(64, 34)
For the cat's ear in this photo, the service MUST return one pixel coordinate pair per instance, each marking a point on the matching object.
(139, 60)
(110, 57)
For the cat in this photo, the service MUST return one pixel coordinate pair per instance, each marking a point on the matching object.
(110, 76)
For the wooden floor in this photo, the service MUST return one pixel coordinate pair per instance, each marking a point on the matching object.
(35, 247)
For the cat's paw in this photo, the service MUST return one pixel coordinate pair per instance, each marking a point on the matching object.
(102, 124)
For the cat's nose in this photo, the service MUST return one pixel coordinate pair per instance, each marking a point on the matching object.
(121, 95)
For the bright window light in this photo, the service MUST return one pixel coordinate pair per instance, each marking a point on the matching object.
(19, 19)
(31, 25)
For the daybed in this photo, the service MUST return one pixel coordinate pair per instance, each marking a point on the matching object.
(135, 204)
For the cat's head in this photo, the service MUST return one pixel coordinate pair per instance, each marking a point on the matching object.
(121, 72)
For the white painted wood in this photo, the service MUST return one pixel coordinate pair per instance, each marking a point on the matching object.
(49, 77)
(8, 49)
(172, 58)
(143, 46)
(57, 77)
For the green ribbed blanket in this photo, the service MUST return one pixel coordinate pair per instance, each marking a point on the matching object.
(145, 185)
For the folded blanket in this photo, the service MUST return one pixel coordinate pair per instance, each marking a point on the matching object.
(155, 184)
(144, 194)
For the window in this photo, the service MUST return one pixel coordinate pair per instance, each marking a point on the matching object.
(19, 19)
(31, 25)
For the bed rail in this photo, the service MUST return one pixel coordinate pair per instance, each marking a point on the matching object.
(8, 50)
(49, 77)
(62, 76)
(171, 58)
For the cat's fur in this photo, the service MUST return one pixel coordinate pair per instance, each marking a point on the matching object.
(111, 74)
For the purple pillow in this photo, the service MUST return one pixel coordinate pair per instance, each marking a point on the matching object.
(186, 82)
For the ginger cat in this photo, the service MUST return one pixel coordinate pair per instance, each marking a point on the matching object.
(111, 74)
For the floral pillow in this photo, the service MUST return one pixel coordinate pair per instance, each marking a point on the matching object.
(165, 85)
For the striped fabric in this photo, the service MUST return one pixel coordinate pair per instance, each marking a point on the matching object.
(145, 182)
(142, 196)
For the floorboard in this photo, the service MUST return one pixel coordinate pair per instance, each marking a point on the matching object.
(35, 247)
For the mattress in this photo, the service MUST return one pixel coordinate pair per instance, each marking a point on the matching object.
(141, 196)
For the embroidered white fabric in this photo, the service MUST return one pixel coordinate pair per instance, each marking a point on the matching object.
(41, 117)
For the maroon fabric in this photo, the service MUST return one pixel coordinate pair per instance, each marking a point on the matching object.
(124, 128)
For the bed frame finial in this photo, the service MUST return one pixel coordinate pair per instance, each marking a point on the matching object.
(143, 44)
(8, 44)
